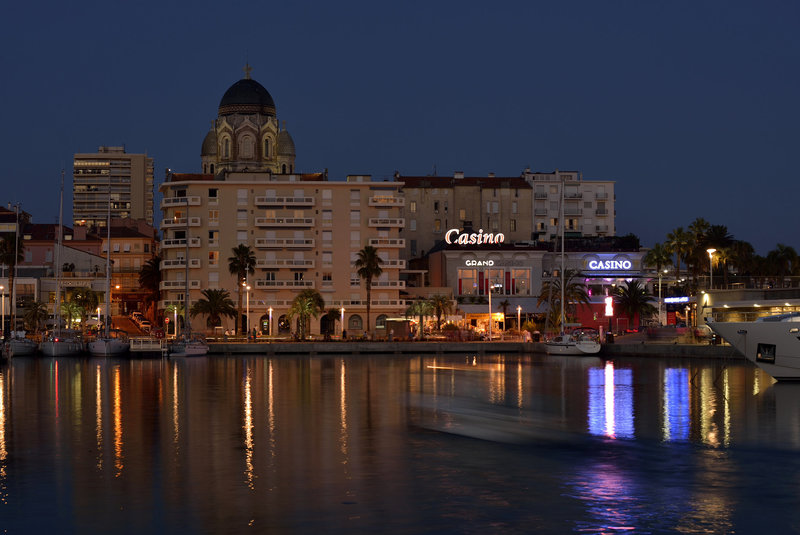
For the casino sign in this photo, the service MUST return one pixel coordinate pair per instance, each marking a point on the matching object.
(608, 263)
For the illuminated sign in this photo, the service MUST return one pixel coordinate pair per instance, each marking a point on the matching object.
(609, 306)
(676, 299)
(479, 263)
(610, 264)
(453, 236)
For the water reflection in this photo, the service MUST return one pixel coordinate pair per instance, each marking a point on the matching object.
(344, 443)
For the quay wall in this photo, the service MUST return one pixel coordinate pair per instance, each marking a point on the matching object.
(473, 348)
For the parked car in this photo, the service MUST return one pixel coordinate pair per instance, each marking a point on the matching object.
(145, 326)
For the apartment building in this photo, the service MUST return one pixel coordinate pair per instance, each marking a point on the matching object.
(111, 175)
(305, 232)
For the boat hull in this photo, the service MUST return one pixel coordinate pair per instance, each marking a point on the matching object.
(61, 348)
(188, 349)
(108, 347)
(572, 348)
(773, 346)
(20, 347)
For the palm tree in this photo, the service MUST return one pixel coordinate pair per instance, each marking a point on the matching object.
(35, 315)
(215, 303)
(575, 295)
(658, 257)
(420, 308)
(368, 265)
(150, 281)
(240, 264)
(308, 303)
(679, 244)
(782, 260)
(503, 305)
(633, 299)
(331, 316)
(86, 299)
(71, 311)
(442, 305)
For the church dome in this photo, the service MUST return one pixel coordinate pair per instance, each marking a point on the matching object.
(285, 143)
(247, 96)
(209, 144)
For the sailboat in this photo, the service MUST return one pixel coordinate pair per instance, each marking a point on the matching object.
(577, 342)
(58, 343)
(187, 345)
(16, 345)
(108, 345)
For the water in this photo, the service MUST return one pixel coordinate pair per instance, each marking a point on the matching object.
(469, 444)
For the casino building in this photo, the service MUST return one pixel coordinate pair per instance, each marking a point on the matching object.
(515, 274)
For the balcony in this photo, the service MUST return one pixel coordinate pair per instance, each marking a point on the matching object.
(179, 285)
(388, 284)
(285, 243)
(262, 284)
(179, 222)
(601, 228)
(180, 263)
(572, 211)
(574, 195)
(540, 195)
(284, 221)
(601, 195)
(540, 211)
(601, 212)
(285, 262)
(394, 243)
(386, 200)
(263, 200)
(393, 264)
(396, 222)
(180, 242)
(171, 202)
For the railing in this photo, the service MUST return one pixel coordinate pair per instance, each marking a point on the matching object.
(179, 285)
(284, 221)
(168, 202)
(180, 242)
(263, 200)
(387, 242)
(268, 284)
(180, 263)
(388, 284)
(173, 222)
(601, 212)
(386, 200)
(294, 243)
(393, 264)
(285, 262)
(386, 222)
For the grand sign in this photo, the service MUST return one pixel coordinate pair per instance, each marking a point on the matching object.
(479, 238)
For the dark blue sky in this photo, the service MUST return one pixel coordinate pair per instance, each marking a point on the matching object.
(691, 107)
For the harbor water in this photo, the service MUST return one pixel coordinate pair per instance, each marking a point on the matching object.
(397, 444)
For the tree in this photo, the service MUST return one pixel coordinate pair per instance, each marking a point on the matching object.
(35, 315)
(308, 303)
(240, 264)
(503, 305)
(420, 308)
(368, 265)
(331, 317)
(86, 299)
(71, 311)
(150, 281)
(657, 257)
(215, 304)
(782, 261)
(442, 305)
(633, 299)
(679, 244)
(575, 295)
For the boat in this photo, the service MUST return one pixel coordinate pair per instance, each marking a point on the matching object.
(188, 344)
(772, 343)
(19, 346)
(578, 342)
(58, 343)
(147, 346)
(110, 344)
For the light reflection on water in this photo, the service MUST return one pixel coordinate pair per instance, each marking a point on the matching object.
(467, 443)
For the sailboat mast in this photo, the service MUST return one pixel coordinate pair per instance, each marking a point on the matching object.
(57, 267)
(16, 272)
(563, 276)
(108, 262)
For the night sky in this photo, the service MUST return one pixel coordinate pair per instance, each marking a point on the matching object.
(691, 107)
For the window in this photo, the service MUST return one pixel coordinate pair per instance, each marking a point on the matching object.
(413, 247)
(126, 247)
(213, 193)
(241, 218)
(355, 218)
(514, 208)
(213, 237)
(437, 225)
(380, 322)
(412, 224)
(241, 236)
(327, 218)
(226, 151)
(354, 322)
(327, 258)
(355, 196)
(213, 217)
(412, 207)
(116, 247)
(213, 279)
(513, 225)
(355, 238)
(213, 258)
(462, 214)
(445, 207)
(146, 247)
(241, 197)
(435, 207)
(495, 207)
(355, 280)
(327, 236)
(553, 221)
(298, 276)
(266, 147)
(269, 276)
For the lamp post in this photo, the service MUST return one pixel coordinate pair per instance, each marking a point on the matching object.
(247, 321)
(341, 310)
(489, 283)
(711, 252)
(660, 301)
(519, 315)
(270, 322)
(175, 322)
(3, 313)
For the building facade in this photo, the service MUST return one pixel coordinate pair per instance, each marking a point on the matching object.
(304, 230)
(111, 173)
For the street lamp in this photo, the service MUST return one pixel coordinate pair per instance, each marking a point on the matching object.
(711, 252)
(341, 310)
(3, 313)
(270, 322)
(519, 314)
(247, 324)
(660, 301)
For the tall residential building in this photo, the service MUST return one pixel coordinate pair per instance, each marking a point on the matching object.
(525, 209)
(129, 177)
(304, 230)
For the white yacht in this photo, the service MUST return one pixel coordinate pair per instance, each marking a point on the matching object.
(577, 343)
(772, 343)
(188, 346)
(19, 346)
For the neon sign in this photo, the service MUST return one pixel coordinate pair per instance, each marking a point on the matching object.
(479, 263)
(453, 236)
(610, 264)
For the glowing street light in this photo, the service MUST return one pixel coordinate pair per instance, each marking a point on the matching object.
(341, 310)
(247, 321)
(711, 252)
(3, 306)
(270, 322)
(519, 314)
(660, 301)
